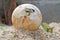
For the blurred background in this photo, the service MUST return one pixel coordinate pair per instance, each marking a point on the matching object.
(50, 9)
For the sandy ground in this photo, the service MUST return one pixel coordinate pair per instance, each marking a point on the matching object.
(7, 33)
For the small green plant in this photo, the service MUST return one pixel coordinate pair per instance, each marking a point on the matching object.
(46, 27)
(1, 28)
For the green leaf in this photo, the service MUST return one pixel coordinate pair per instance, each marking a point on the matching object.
(46, 27)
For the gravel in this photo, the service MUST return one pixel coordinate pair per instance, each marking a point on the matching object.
(8, 33)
